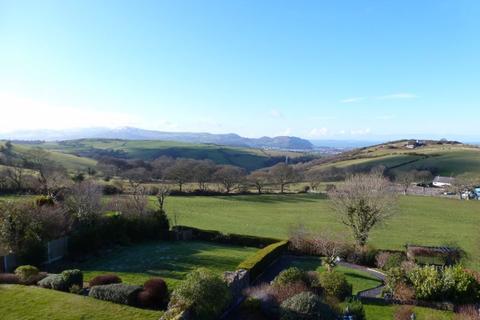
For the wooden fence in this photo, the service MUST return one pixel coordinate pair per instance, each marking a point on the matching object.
(56, 250)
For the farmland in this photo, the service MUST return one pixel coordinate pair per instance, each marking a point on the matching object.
(447, 160)
(247, 158)
(420, 220)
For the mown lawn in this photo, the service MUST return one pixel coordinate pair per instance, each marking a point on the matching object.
(34, 303)
(420, 220)
(169, 260)
(387, 312)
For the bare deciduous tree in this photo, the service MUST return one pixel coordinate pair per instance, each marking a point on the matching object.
(84, 201)
(203, 171)
(405, 179)
(362, 202)
(229, 176)
(163, 193)
(258, 179)
(180, 172)
(283, 174)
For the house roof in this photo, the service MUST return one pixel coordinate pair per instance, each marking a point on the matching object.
(441, 179)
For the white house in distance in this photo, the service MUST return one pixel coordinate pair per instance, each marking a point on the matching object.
(441, 182)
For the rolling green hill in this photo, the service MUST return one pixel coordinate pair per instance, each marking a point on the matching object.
(247, 158)
(69, 161)
(444, 159)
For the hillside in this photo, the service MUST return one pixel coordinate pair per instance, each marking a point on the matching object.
(70, 161)
(443, 158)
(248, 158)
(129, 133)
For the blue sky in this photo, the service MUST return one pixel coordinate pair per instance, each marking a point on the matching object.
(316, 69)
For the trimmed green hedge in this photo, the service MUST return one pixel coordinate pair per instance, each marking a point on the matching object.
(229, 238)
(119, 293)
(257, 263)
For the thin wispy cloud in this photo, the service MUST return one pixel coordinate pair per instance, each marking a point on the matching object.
(397, 96)
(352, 100)
(318, 132)
(275, 113)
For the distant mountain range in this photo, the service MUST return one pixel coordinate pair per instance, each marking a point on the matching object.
(129, 133)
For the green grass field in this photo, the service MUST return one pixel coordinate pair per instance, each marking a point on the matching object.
(169, 260)
(447, 159)
(32, 303)
(247, 158)
(419, 220)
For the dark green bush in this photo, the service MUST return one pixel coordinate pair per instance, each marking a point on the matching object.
(365, 256)
(55, 282)
(203, 292)
(335, 285)
(394, 260)
(231, 238)
(289, 276)
(110, 189)
(119, 293)
(305, 306)
(26, 273)
(257, 263)
(459, 285)
(73, 277)
(354, 307)
(104, 279)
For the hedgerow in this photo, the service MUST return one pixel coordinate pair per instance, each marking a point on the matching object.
(257, 263)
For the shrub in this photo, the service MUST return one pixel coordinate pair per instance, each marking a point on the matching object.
(403, 292)
(75, 289)
(306, 306)
(467, 312)
(394, 260)
(26, 273)
(200, 288)
(41, 201)
(110, 189)
(282, 293)
(54, 281)
(335, 284)
(403, 313)
(289, 276)
(354, 307)
(154, 294)
(104, 279)
(381, 259)
(459, 285)
(9, 278)
(394, 277)
(365, 256)
(73, 277)
(427, 282)
(257, 263)
(119, 293)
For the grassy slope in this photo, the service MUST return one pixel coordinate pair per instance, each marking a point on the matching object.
(151, 149)
(449, 159)
(420, 220)
(32, 303)
(69, 161)
(168, 260)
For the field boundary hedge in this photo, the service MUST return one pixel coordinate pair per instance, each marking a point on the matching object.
(191, 233)
(258, 263)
